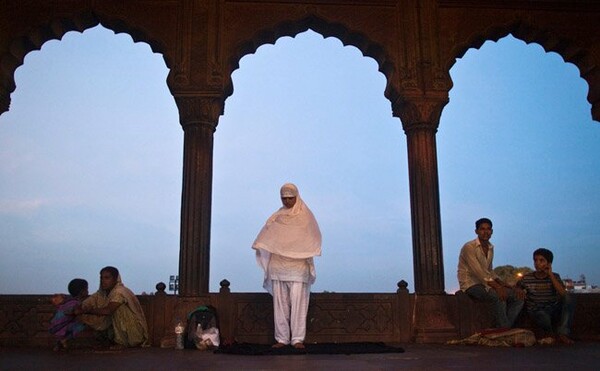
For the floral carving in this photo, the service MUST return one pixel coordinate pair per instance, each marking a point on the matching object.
(199, 110)
(419, 113)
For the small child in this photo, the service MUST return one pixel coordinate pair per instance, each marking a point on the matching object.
(64, 325)
(547, 300)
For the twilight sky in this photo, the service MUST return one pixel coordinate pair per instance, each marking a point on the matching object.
(91, 164)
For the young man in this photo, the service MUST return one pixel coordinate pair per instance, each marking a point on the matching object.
(547, 300)
(478, 279)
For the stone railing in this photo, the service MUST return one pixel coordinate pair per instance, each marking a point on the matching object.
(332, 317)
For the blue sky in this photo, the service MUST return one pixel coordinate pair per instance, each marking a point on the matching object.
(91, 162)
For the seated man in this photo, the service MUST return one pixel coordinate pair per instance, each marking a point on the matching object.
(547, 300)
(477, 278)
(116, 309)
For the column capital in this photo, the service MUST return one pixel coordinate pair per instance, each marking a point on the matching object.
(419, 113)
(199, 111)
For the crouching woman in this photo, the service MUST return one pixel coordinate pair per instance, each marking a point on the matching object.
(115, 309)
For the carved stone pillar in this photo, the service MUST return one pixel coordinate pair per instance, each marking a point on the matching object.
(420, 118)
(198, 117)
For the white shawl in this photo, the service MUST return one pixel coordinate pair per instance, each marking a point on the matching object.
(292, 233)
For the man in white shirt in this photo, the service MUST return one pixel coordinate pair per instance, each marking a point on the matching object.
(478, 279)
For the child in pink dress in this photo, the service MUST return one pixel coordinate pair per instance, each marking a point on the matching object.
(65, 325)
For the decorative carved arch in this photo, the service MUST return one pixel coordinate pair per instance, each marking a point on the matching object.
(55, 30)
(325, 28)
(551, 42)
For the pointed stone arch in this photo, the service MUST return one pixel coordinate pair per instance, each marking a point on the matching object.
(55, 29)
(326, 28)
(550, 41)
(414, 43)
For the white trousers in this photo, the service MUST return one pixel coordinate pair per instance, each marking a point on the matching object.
(290, 306)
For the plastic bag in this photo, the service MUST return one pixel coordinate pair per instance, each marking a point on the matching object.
(206, 339)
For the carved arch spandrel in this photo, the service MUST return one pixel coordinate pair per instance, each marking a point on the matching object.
(311, 18)
(55, 29)
(551, 34)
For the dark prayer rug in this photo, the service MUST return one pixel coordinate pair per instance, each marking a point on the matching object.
(319, 348)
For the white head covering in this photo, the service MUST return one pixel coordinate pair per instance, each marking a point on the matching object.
(288, 190)
(292, 233)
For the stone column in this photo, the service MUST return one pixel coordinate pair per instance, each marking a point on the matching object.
(420, 119)
(198, 117)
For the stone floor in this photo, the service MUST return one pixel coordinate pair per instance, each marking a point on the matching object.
(581, 356)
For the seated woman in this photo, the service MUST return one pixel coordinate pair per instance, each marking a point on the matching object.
(116, 309)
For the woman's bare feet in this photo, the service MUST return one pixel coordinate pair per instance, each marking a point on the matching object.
(299, 346)
(278, 345)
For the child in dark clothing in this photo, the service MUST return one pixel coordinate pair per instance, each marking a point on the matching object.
(64, 325)
(547, 300)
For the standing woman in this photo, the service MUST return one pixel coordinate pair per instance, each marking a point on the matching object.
(285, 248)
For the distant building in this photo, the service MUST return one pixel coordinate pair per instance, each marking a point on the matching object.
(580, 286)
(568, 284)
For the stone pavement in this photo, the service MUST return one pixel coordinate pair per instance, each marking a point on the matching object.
(581, 356)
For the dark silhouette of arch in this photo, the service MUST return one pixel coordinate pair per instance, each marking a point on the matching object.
(325, 28)
(550, 42)
(55, 30)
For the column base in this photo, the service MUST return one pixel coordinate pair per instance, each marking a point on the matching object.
(436, 319)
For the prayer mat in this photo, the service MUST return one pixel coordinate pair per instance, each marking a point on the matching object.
(318, 348)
